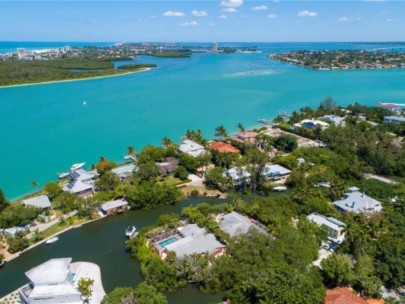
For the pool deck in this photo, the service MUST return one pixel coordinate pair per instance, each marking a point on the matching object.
(92, 271)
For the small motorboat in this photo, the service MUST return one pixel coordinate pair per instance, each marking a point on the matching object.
(280, 188)
(77, 166)
(130, 232)
(63, 175)
(52, 240)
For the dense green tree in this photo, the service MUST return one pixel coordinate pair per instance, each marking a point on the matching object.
(147, 171)
(215, 179)
(327, 104)
(17, 244)
(147, 294)
(53, 189)
(18, 215)
(104, 165)
(189, 162)
(337, 270)
(3, 201)
(107, 182)
(286, 143)
(181, 173)
(151, 154)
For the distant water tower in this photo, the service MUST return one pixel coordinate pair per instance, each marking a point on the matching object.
(215, 47)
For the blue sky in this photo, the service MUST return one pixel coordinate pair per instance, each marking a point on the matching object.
(209, 20)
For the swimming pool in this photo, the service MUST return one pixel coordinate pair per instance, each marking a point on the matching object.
(124, 169)
(166, 242)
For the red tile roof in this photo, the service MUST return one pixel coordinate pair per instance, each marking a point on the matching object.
(340, 295)
(223, 147)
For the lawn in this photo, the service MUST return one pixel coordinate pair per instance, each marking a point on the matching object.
(173, 181)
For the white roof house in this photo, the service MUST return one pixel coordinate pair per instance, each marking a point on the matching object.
(13, 231)
(236, 224)
(334, 226)
(51, 282)
(312, 124)
(337, 120)
(82, 182)
(113, 204)
(274, 172)
(357, 202)
(38, 202)
(239, 175)
(192, 148)
(196, 240)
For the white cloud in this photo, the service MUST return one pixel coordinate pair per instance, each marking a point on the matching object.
(343, 19)
(260, 8)
(173, 14)
(223, 17)
(191, 23)
(272, 16)
(230, 10)
(199, 13)
(231, 3)
(389, 20)
(307, 14)
(152, 17)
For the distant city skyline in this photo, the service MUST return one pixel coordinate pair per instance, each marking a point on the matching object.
(211, 20)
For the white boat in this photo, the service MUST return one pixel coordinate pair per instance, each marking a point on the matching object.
(77, 166)
(2, 263)
(130, 232)
(280, 188)
(63, 175)
(52, 240)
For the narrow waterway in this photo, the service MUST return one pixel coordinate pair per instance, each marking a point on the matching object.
(102, 242)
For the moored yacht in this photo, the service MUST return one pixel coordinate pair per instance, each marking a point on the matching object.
(130, 232)
(77, 166)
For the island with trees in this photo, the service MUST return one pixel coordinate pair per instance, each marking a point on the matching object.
(275, 180)
(344, 59)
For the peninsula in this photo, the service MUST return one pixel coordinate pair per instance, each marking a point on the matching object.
(343, 59)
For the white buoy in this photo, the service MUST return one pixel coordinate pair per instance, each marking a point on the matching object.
(84, 103)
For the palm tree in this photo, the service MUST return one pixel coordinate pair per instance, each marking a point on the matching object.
(167, 142)
(221, 132)
(241, 127)
(131, 150)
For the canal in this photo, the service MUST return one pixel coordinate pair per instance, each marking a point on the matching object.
(103, 242)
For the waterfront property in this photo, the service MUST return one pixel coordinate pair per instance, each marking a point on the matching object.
(192, 148)
(51, 282)
(41, 202)
(168, 166)
(343, 295)
(187, 240)
(15, 231)
(336, 120)
(395, 109)
(81, 183)
(311, 124)
(394, 119)
(334, 227)
(247, 137)
(236, 224)
(223, 147)
(124, 172)
(114, 207)
(357, 202)
(238, 175)
(276, 173)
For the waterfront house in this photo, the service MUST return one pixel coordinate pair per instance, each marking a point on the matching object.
(393, 108)
(333, 226)
(355, 201)
(236, 224)
(50, 282)
(188, 240)
(114, 207)
(247, 137)
(343, 295)
(81, 182)
(223, 147)
(168, 166)
(41, 202)
(238, 175)
(192, 148)
(336, 120)
(276, 173)
(15, 231)
(312, 124)
(394, 119)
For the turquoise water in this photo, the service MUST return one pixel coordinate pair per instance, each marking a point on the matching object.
(124, 169)
(166, 242)
(46, 128)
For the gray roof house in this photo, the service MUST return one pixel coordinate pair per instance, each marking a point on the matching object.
(13, 231)
(192, 148)
(195, 240)
(41, 201)
(168, 166)
(81, 183)
(236, 224)
(333, 226)
(336, 120)
(239, 175)
(50, 282)
(394, 119)
(357, 202)
(275, 172)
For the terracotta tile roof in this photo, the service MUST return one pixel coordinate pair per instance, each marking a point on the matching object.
(223, 147)
(374, 301)
(340, 295)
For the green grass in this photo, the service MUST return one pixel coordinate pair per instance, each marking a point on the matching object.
(173, 181)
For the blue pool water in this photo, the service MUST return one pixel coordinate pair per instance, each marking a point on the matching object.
(45, 128)
(166, 242)
(124, 169)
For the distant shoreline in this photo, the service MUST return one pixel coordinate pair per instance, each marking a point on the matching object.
(70, 80)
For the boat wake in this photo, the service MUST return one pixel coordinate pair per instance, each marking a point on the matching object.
(252, 73)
